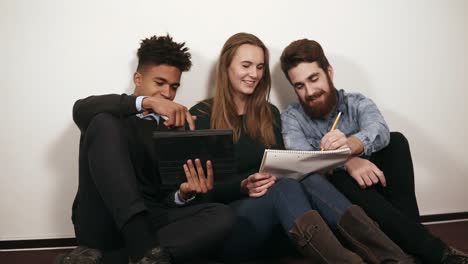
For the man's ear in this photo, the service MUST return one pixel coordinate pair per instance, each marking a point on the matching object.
(137, 79)
(330, 72)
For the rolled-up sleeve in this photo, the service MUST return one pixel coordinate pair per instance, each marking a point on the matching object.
(373, 130)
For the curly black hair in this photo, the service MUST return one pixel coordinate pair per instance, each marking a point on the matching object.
(163, 50)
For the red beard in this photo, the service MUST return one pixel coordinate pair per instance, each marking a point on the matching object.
(319, 111)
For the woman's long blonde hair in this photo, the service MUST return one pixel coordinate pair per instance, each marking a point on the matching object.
(258, 121)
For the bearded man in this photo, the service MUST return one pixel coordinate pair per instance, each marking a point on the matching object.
(379, 175)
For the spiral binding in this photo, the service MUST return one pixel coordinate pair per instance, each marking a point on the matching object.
(301, 152)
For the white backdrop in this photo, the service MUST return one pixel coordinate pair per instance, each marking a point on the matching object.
(409, 56)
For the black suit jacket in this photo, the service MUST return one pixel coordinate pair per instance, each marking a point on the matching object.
(138, 131)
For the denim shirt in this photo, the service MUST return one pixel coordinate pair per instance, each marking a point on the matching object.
(360, 117)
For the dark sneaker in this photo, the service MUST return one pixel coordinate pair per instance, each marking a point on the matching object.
(80, 255)
(454, 256)
(156, 255)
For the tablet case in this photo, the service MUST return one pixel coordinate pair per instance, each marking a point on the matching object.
(174, 148)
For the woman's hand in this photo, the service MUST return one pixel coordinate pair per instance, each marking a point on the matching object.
(257, 184)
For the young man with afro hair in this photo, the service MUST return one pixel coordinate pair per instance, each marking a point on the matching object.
(120, 202)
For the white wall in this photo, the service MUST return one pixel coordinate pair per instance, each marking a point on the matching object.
(409, 56)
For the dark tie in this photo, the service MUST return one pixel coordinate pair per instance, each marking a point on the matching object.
(161, 126)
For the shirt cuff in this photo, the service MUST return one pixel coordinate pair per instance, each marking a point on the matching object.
(367, 151)
(138, 103)
(180, 201)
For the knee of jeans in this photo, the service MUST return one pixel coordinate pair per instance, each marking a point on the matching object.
(286, 184)
(314, 180)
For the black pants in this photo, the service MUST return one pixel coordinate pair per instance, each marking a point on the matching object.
(394, 207)
(108, 196)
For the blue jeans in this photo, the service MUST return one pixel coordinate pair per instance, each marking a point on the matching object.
(285, 201)
(329, 202)
(257, 218)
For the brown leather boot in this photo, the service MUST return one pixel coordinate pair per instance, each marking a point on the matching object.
(316, 241)
(367, 240)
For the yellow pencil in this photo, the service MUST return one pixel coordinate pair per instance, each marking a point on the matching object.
(337, 119)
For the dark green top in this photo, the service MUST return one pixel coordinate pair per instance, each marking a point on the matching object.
(248, 153)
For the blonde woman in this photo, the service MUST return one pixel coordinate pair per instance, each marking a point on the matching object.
(261, 201)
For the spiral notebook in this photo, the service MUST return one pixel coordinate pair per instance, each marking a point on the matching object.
(174, 148)
(297, 164)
